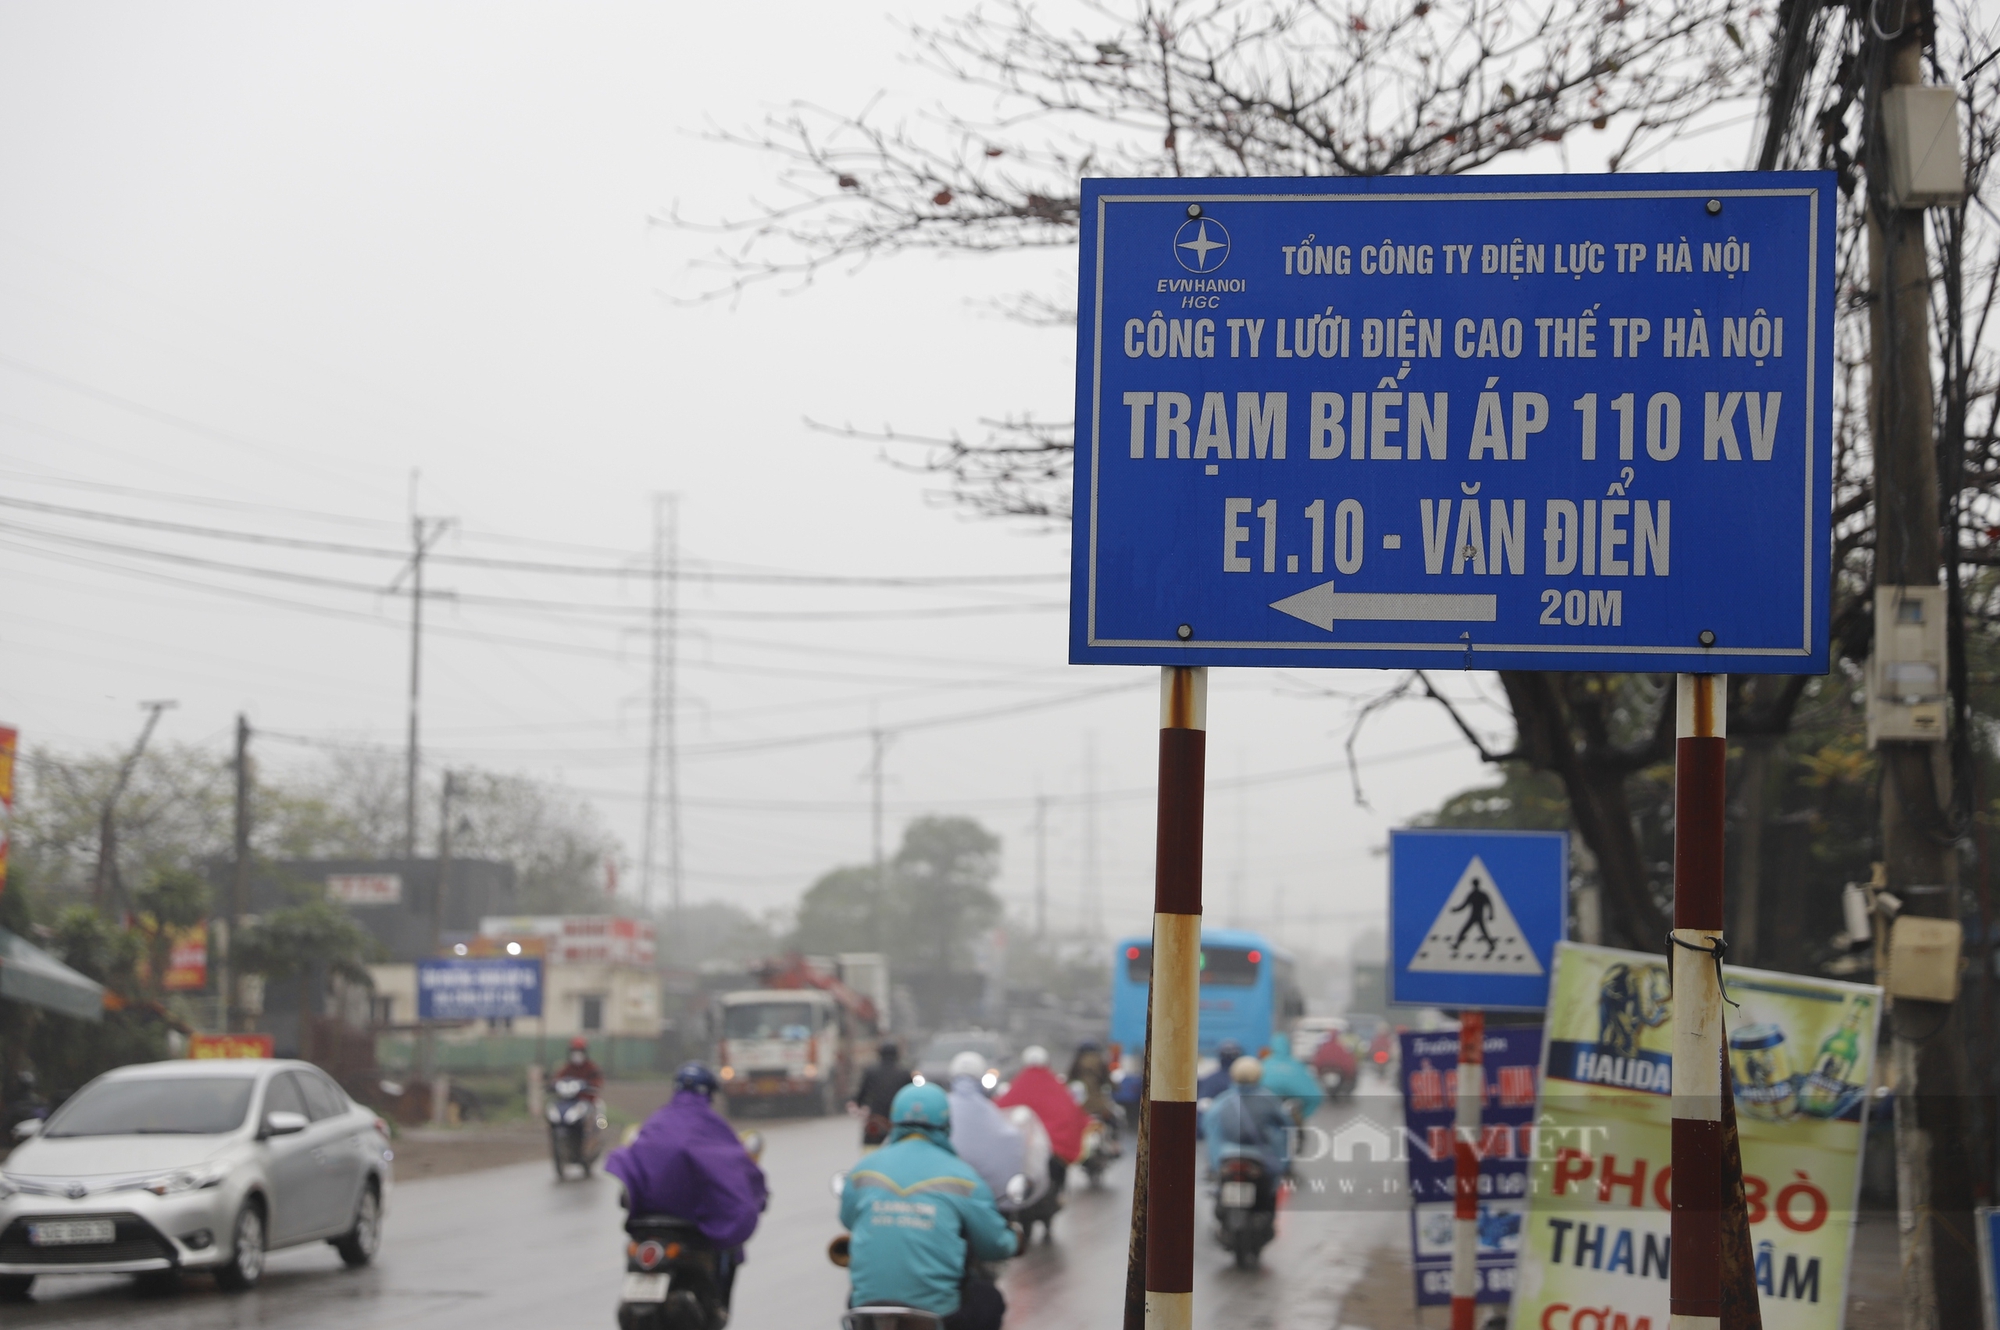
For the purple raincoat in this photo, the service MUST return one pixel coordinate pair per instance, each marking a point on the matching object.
(686, 1161)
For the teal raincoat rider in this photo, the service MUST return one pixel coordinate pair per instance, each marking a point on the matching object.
(915, 1209)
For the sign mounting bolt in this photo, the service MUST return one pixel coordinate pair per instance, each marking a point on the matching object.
(1184, 632)
(1714, 207)
(1707, 637)
(1194, 210)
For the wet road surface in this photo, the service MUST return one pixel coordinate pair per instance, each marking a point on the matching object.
(511, 1247)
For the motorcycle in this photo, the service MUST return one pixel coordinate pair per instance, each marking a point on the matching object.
(896, 1316)
(675, 1279)
(1246, 1208)
(1100, 1139)
(576, 1125)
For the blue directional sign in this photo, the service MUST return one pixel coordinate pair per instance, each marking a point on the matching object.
(1553, 423)
(1474, 916)
(470, 988)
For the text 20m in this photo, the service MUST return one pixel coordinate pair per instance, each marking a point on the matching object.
(1579, 609)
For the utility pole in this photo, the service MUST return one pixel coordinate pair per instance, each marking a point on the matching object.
(427, 1037)
(424, 533)
(663, 750)
(239, 881)
(1093, 905)
(879, 738)
(1041, 866)
(107, 883)
(445, 796)
(1935, 1152)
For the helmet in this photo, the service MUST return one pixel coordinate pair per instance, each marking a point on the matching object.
(1228, 1051)
(968, 1063)
(1090, 1046)
(888, 1051)
(579, 1044)
(1246, 1071)
(1034, 1055)
(922, 1106)
(694, 1076)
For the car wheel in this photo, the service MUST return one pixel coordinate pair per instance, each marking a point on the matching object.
(14, 1288)
(246, 1252)
(358, 1246)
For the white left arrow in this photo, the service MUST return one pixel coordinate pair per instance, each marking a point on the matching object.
(1322, 606)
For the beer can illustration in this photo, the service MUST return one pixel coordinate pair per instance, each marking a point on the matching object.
(1767, 1085)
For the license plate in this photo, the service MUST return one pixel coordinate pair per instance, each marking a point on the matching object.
(644, 1288)
(71, 1232)
(1239, 1195)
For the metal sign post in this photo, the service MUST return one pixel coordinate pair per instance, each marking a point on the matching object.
(1700, 727)
(1175, 997)
(1528, 423)
(1465, 1172)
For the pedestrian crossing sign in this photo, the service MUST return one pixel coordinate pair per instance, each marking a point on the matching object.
(1474, 916)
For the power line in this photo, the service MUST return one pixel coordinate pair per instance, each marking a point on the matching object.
(745, 578)
(571, 648)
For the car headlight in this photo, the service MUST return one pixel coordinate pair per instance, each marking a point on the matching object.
(7, 1187)
(186, 1179)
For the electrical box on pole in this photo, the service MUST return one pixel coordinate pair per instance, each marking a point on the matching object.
(1920, 126)
(1907, 698)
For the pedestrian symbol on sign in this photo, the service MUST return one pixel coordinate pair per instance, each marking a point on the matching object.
(1475, 932)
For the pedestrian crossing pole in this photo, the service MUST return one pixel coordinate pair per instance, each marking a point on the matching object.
(1465, 1170)
(1701, 727)
(1175, 1001)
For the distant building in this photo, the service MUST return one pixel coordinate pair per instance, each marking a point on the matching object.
(598, 975)
(393, 901)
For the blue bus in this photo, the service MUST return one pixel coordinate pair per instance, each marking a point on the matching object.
(1249, 989)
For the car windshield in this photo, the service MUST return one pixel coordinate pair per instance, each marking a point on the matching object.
(768, 1020)
(155, 1105)
(945, 1047)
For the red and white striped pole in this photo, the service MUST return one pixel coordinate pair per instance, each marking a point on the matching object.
(1695, 1289)
(1465, 1173)
(1176, 1000)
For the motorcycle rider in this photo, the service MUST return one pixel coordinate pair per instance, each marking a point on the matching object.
(1036, 1088)
(1090, 1067)
(920, 1216)
(1213, 1085)
(1248, 1119)
(980, 1132)
(686, 1161)
(1291, 1080)
(578, 1066)
(877, 1092)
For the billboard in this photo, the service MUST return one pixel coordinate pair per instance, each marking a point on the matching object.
(579, 939)
(469, 988)
(1801, 1053)
(365, 888)
(1558, 422)
(1506, 1119)
(230, 1046)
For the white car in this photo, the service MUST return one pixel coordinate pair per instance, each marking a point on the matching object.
(197, 1165)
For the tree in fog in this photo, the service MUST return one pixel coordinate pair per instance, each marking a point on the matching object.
(1168, 88)
(178, 813)
(941, 894)
(933, 901)
(842, 911)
